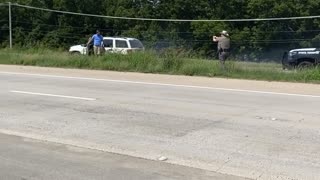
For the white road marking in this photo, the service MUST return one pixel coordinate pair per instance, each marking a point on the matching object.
(54, 95)
(163, 84)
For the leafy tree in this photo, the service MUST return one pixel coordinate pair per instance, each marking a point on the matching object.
(255, 38)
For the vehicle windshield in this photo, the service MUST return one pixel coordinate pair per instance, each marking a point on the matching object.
(136, 43)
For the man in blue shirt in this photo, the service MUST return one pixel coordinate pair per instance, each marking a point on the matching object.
(97, 43)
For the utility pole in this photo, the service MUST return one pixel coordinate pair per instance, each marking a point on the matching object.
(10, 26)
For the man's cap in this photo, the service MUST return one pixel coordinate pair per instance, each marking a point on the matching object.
(224, 33)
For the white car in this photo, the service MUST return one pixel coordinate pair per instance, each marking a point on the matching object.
(120, 45)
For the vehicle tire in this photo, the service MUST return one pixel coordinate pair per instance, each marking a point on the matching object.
(305, 64)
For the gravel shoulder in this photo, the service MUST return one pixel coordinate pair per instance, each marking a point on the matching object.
(278, 87)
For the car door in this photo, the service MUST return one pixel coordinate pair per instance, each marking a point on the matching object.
(121, 46)
(108, 45)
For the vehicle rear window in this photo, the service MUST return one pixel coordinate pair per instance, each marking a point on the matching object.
(121, 44)
(136, 43)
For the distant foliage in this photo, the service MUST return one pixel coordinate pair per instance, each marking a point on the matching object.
(250, 39)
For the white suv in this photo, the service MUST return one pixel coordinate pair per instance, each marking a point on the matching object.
(120, 45)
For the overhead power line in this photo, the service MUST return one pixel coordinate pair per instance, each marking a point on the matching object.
(169, 20)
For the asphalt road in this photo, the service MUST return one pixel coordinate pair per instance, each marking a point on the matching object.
(249, 133)
(28, 159)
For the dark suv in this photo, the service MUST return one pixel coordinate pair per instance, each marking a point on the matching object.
(301, 58)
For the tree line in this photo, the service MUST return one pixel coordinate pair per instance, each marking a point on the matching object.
(41, 28)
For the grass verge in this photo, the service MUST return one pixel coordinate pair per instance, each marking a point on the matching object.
(165, 63)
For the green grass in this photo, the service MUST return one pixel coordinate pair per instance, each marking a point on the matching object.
(165, 63)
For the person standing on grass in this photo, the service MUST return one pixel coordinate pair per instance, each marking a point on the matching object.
(89, 46)
(97, 43)
(223, 47)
